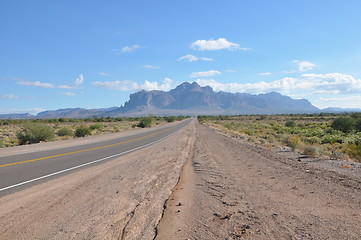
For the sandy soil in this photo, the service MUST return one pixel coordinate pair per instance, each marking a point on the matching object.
(198, 184)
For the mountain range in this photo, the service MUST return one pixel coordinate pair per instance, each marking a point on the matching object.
(189, 99)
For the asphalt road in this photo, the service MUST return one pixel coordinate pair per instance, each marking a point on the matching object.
(21, 171)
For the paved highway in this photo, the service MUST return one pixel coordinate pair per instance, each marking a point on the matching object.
(21, 171)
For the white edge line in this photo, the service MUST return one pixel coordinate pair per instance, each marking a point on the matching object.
(85, 164)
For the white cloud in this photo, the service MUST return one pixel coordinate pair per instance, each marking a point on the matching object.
(342, 102)
(103, 74)
(205, 74)
(67, 93)
(219, 44)
(37, 84)
(79, 81)
(134, 86)
(282, 85)
(304, 66)
(129, 49)
(77, 84)
(331, 83)
(9, 97)
(150, 67)
(265, 73)
(33, 111)
(326, 92)
(192, 58)
(347, 98)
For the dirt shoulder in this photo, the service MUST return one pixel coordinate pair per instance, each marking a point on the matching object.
(241, 191)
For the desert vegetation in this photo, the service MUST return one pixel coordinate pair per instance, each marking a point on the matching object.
(19, 132)
(335, 136)
(147, 122)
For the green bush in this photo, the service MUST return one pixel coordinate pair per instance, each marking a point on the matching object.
(65, 131)
(146, 122)
(343, 124)
(2, 144)
(358, 125)
(82, 131)
(312, 140)
(171, 118)
(4, 122)
(34, 133)
(333, 138)
(96, 126)
(290, 124)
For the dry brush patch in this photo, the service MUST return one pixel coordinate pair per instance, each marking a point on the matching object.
(313, 135)
(64, 129)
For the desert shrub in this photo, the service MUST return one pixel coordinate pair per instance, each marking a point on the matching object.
(336, 154)
(82, 131)
(343, 124)
(248, 131)
(146, 122)
(65, 131)
(4, 122)
(293, 141)
(332, 138)
(354, 150)
(96, 126)
(34, 133)
(290, 124)
(171, 118)
(358, 125)
(229, 126)
(312, 140)
(311, 151)
(2, 144)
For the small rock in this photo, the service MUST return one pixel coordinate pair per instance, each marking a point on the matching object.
(217, 215)
(245, 226)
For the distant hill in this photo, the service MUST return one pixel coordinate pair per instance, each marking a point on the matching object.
(16, 116)
(74, 113)
(340, 110)
(191, 99)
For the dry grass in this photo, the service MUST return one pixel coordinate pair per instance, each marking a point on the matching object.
(8, 132)
(311, 135)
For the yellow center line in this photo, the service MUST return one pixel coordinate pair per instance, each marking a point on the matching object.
(85, 150)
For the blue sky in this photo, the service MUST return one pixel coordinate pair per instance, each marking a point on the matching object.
(94, 54)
